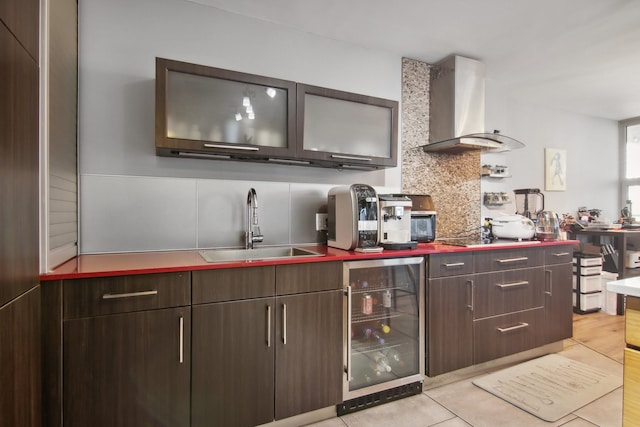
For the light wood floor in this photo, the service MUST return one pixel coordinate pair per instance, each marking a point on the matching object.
(601, 332)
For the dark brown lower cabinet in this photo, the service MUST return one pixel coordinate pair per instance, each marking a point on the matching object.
(263, 359)
(499, 336)
(308, 352)
(129, 369)
(558, 320)
(498, 303)
(233, 363)
(450, 325)
(20, 372)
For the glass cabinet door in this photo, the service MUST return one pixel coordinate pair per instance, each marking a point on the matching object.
(346, 128)
(384, 333)
(212, 110)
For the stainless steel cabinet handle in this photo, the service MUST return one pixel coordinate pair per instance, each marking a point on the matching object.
(507, 260)
(521, 325)
(470, 305)
(228, 147)
(503, 286)
(339, 156)
(549, 273)
(453, 264)
(129, 294)
(347, 347)
(562, 254)
(284, 324)
(268, 326)
(181, 351)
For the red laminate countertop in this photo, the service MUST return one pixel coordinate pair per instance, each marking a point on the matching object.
(118, 264)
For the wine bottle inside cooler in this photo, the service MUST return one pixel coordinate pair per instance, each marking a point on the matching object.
(382, 363)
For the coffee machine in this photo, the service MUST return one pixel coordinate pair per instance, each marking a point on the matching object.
(529, 202)
(353, 218)
(395, 222)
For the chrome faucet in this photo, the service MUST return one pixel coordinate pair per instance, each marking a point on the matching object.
(252, 233)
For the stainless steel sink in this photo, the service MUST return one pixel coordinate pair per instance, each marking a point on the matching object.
(227, 255)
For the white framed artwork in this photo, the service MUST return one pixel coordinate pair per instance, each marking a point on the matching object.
(555, 169)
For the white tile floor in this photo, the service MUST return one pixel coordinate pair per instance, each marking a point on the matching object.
(463, 404)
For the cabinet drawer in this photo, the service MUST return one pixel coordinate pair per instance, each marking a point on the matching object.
(507, 291)
(233, 284)
(500, 336)
(450, 264)
(631, 388)
(309, 277)
(119, 294)
(508, 259)
(632, 321)
(558, 255)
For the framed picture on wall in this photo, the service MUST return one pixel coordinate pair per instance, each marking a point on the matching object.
(555, 169)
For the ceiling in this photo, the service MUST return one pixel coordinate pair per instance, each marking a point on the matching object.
(581, 56)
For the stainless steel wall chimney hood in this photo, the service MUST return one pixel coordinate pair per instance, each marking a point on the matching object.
(456, 114)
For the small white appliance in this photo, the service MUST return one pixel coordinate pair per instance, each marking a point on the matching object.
(395, 222)
(515, 227)
(633, 259)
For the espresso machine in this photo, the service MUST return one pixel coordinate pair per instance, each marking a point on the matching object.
(353, 218)
(529, 202)
(395, 222)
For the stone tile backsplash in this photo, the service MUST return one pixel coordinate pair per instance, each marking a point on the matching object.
(452, 180)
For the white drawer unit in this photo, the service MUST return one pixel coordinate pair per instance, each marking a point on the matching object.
(587, 271)
(588, 283)
(588, 302)
(587, 261)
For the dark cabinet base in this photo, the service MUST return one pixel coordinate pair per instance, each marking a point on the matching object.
(20, 372)
(129, 369)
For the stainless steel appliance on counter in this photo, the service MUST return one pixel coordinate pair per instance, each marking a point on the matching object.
(353, 218)
(395, 222)
(384, 331)
(423, 218)
(547, 226)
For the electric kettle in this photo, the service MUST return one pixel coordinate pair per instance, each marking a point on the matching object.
(547, 226)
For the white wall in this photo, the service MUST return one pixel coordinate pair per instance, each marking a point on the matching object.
(130, 199)
(592, 155)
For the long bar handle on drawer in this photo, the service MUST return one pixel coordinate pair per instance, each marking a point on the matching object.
(562, 254)
(470, 283)
(521, 258)
(512, 285)
(268, 326)
(181, 351)
(130, 294)
(550, 281)
(513, 328)
(453, 264)
(284, 324)
(228, 147)
(340, 156)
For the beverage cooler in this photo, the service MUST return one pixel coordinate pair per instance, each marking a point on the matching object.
(384, 331)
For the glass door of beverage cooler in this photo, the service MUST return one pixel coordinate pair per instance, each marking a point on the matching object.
(384, 325)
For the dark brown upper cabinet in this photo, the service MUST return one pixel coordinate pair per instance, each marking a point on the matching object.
(345, 129)
(210, 112)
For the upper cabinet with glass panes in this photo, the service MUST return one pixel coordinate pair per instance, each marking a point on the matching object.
(208, 112)
(346, 128)
(204, 111)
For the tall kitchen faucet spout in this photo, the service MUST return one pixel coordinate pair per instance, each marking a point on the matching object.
(252, 231)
